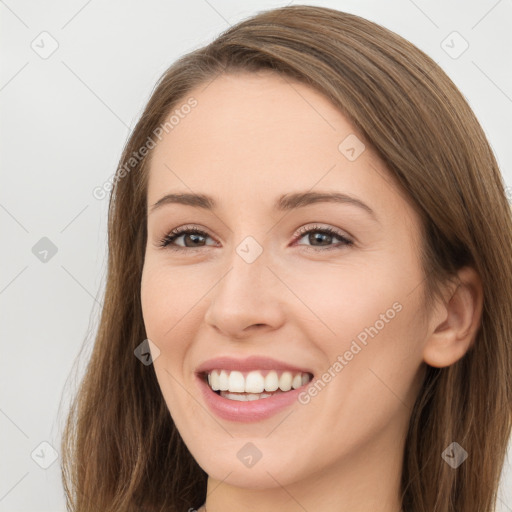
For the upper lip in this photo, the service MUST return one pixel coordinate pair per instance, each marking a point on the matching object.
(248, 364)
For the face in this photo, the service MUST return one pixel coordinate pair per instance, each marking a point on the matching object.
(325, 288)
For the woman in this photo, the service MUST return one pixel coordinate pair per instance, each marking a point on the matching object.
(308, 301)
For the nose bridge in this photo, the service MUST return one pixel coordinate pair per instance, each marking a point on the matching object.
(246, 277)
(246, 294)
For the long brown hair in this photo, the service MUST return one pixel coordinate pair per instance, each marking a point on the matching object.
(121, 450)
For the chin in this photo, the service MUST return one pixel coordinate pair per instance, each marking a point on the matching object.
(266, 474)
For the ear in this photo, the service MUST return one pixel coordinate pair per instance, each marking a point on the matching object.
(455, 322)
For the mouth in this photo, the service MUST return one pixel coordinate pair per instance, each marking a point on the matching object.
(255, 384)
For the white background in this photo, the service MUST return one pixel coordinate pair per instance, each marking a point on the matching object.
(64, 120)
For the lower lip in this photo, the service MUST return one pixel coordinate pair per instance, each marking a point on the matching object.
(250, 411)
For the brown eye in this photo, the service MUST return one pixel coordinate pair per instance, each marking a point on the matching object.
(192, 239)
(320, 238)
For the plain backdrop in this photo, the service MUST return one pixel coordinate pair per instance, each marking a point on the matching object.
(73, 80)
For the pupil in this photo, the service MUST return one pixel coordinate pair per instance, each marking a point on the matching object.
(320, 235)
(193, 237)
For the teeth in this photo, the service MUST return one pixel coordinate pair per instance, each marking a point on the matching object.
(223, 380)
(255, 383)
(236, 382)
(285, 382)
(245, 397)
(297, 381)
(271, 381)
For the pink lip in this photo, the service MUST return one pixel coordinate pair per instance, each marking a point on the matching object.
(247, 364)
(247, 412)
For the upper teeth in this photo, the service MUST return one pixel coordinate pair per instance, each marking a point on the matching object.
(255, 381)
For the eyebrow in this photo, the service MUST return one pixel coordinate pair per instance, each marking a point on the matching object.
(285, 202)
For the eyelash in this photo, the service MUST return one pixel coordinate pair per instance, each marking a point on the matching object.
(176, 233)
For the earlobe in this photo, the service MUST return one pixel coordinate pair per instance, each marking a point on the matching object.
(455, 323)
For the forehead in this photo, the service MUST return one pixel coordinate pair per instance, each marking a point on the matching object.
(253, 137)
(255, 116)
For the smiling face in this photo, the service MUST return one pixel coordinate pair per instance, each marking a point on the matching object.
(263, 278)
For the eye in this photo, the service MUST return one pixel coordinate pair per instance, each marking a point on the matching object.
(323, 234)
(195, 237)
(189, 234)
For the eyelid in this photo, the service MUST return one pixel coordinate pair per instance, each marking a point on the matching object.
(345, 240)
(327, 228)
(180, 231)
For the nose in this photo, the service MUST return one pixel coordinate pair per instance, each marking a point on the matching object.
(247, 298)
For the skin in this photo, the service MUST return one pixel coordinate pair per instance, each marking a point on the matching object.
(251, 138)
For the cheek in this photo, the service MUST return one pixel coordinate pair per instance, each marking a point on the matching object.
(161, 314)
(153, 299)
(164, 310)
(342, 300)
(365, 322)
(170, 298)
(372, 364)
